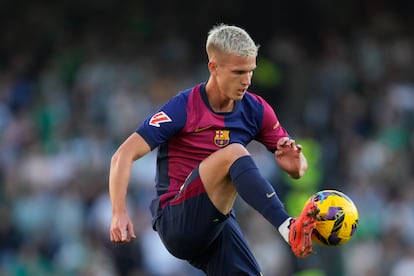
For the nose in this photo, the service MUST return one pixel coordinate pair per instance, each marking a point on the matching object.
(247, 79)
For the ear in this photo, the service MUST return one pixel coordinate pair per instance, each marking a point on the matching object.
(212, 67)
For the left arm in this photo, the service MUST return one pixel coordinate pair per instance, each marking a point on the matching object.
(290, 158)
(288, 154)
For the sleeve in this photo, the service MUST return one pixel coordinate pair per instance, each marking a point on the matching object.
(165, 122)
(271, 130)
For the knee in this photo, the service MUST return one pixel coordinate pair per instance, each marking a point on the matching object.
(234, 151)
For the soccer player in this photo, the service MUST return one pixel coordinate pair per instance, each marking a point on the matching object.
(203, 165)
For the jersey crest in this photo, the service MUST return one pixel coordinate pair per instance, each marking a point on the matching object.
(159, 118)
(222, 138)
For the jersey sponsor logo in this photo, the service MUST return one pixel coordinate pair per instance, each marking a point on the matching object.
(270, 195)
(200, 129)
(222, 138)
(275, 126)
(159, 118)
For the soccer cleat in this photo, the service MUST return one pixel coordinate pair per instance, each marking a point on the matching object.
(300, 234)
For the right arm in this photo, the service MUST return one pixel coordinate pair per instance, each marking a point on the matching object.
(154, 131)
(133, 148)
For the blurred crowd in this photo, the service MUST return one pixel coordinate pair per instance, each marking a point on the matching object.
(78, 78)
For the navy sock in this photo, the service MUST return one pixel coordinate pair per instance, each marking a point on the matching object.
(257, 191)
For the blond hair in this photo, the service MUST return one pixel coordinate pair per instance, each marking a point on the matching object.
(230, 40)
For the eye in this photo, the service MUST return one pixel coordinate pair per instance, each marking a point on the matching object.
(242, 72)
(239, 72)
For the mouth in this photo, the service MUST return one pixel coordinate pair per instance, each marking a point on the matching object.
(241, 92)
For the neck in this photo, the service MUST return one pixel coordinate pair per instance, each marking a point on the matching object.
(228, 106)
(218, 102)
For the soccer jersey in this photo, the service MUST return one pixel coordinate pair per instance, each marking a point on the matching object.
(187, 130)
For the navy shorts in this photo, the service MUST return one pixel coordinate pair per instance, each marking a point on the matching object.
(193, 229)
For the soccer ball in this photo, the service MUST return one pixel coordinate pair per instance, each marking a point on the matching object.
(337, 220)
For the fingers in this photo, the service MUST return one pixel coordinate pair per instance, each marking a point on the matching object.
(122, 235)
(278, 153)
(283, 141)
(131, 231)
(287, 143)
(116, 235)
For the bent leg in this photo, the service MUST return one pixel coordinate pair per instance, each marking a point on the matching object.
(231, 171)
(214, 173)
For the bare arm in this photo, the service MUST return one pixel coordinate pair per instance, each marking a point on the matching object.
(133, 148)
(290, 158)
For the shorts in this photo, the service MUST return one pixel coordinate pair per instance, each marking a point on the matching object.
(193, 229)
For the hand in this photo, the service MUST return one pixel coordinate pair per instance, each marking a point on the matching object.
(290, 158)
(122, 229)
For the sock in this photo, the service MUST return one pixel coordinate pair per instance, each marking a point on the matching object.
(257, 191)
(284, 229)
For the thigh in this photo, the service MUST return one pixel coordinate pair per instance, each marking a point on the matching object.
(189, 223)
(214, 172)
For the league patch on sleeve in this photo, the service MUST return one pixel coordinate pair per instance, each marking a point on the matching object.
(159, 118)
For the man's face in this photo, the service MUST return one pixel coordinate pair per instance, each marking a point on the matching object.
(233, 74)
